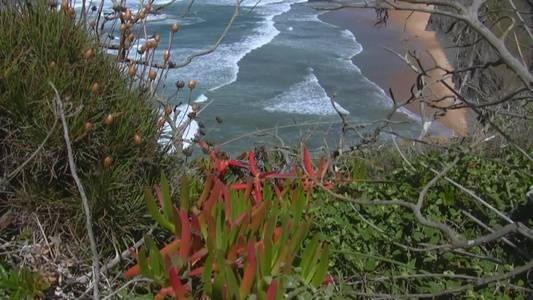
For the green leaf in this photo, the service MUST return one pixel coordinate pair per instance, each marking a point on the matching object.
(165, 193)
(308, 255)
(156, 260)
(185, 193)
(231, 282)
(143, 264)
(208, 268)
(218, 286)
(371, 265)
(154, 211)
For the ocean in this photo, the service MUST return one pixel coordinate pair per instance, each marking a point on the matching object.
(277, 68)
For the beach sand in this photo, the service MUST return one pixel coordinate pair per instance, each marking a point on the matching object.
(404, 32)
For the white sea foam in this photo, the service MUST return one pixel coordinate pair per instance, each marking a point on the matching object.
(306, 97)
(221, 67)
(201, 98)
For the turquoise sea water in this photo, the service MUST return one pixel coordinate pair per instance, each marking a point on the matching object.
(278, 66)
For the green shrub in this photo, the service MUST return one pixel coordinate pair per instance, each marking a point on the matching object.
(40, 46)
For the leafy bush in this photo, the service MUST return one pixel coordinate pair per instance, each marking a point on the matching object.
(22, 284)
(374, 247)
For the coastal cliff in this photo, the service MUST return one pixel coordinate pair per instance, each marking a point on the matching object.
(465, 49)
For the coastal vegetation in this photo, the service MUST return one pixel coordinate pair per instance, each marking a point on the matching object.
(102, 195)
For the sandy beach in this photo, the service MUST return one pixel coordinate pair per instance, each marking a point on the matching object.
(404, 32)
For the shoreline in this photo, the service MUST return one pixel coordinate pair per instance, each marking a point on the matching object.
(391, 72)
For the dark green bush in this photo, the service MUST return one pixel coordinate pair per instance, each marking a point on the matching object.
(39, 46)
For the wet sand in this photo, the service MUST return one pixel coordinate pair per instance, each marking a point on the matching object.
(404, 32)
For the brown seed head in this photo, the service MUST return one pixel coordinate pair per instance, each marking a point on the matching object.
(152, 75)
(191, 115)
(95, 87)
(192, 84)
(108, 161)
(168, 110)
(137, 140)
(132, 71)
(88, 126)
(195, 107)
(92, 23)
(174, 28)
(52, 65)
(127, 14)
(64, 5)
(109, 120)
(70, 10)
(218, 119)
(157, 38)
(89, 54)
(130, 37)
(148, 7)
(122, 27)
(166, 55)
(161, 123)
(143, 48)
(141, 15)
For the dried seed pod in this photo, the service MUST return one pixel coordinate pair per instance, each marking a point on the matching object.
(108, 161)
(195, 107)
(218, 119)
(191, 115)
(174, 28)
(202, 131)
(168, 110)
(95, 87)
(122, 27)
(132, 71)
(141, 15)
(89, 54)
(148, 7)
(161, 123)
(157, 37)
(64, 5)
(127, 14)
(192, 84)
(52, 65)
(196, 139)
(137, 140)
(187, 151)
(180, 84)
(70, 11)
(166, 55)
(92, 23)
(88, 126)
(109, 119)
(152, 75)
(130, 37)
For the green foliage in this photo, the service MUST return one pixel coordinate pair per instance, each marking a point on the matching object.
(23, 284)
(231, 243)
(40, 46)
(366, 240)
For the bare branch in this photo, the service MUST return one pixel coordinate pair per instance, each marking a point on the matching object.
(88, 223)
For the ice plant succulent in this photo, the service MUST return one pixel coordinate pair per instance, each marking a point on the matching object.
(235, 247)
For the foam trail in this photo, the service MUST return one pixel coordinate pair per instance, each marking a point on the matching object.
(306, 97)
